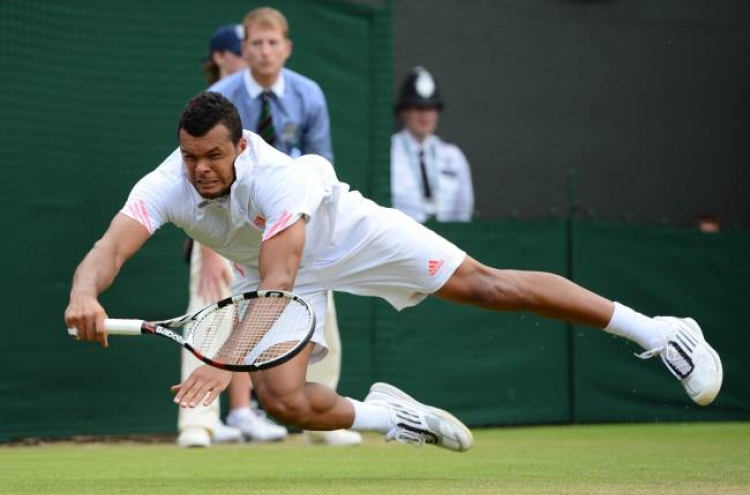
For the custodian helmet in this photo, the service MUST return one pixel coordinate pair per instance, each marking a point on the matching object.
(419, 91)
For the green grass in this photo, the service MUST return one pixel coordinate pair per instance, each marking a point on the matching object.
(680, 459)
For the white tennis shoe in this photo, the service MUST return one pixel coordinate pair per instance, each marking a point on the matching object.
(688, 357)
(194, 437)
(417, 423)
(335, 438)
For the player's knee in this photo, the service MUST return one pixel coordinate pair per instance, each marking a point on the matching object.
(290, 409)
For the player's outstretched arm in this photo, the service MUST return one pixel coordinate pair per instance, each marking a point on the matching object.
(97, 271)
(280, 257)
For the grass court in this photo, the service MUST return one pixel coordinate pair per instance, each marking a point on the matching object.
(652, 459)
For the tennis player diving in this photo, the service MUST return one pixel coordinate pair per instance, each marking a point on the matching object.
(289, 224)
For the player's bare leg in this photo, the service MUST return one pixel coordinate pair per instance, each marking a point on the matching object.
(245, 415)
(311, 406)
(678, 341)
(542, 293)
(287, 397)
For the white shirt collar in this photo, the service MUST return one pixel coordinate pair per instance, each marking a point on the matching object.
(416, 145)
(254, 89)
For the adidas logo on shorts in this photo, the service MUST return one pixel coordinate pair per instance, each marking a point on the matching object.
(433, 267)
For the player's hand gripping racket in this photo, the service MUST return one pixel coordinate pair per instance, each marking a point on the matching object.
(245, 332)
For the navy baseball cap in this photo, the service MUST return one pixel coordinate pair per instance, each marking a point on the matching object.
(228, 37)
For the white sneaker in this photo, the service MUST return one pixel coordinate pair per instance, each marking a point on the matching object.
(335, 438)
(226, 434)
(257, 427)
(418, 423)
(194, 436)
(689, 358)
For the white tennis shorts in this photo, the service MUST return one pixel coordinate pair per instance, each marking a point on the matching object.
(385, 253)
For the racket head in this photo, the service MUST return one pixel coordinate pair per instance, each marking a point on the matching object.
(251, 331)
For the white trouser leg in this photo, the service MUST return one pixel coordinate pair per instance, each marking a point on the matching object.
(328, 370)
(200, 415)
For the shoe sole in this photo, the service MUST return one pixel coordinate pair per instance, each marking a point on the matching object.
(464, 436)
(192, 442)
(708, 396)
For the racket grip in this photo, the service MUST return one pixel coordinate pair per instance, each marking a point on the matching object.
(117, 326)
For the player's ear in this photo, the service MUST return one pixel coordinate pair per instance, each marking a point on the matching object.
(242, 145)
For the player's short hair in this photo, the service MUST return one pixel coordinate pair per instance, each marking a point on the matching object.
(267, 17)
(205, 111)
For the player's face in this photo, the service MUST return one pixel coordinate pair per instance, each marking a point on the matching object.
(420, 122)
(209, 160)
(266, 50)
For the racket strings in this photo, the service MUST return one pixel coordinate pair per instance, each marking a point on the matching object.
(209, 333)
(254, 331)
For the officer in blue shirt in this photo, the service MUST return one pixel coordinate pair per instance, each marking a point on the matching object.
(298, 111)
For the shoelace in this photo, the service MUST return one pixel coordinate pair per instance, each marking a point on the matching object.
(681, 364)
(404, 435)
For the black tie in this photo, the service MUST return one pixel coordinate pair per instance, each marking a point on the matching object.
(266, 129)
(426, 189)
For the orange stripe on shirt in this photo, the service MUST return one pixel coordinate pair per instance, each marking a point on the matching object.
(140, 214)
(277, 227)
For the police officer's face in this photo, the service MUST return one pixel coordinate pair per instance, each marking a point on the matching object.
(420, 122)
(209, 160)
(266, 50)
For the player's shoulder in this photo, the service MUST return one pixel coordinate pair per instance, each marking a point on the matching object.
(170, 171)
(261, 156)
(160, 187)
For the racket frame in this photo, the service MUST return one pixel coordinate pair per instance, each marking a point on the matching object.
(165, 328)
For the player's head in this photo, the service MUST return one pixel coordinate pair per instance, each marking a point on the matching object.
(267, 45)
(419, 103)
(210, 135)
(224, 53)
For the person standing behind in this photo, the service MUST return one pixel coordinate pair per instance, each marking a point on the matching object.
(210, 279)
(430, 178)
(289, 111)
(294, 110)
(225, 53)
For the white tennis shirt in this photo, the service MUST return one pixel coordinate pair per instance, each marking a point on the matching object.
(271, 192)
(351, 244)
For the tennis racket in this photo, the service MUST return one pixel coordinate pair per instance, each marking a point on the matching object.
(244, 332)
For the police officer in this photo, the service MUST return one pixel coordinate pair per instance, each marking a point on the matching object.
(430, 178)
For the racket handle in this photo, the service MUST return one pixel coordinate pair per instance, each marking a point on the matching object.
(117, 326)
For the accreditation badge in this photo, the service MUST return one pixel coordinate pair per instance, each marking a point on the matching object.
(289, 134)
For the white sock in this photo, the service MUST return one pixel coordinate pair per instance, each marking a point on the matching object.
(641, 329)
(238, 413)
(370, 417)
